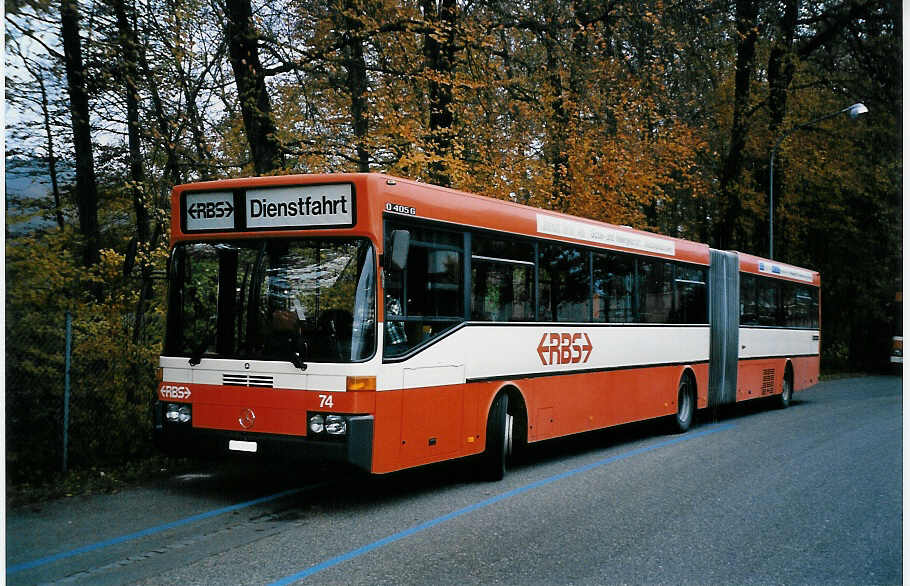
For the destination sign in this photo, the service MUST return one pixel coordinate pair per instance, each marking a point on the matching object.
(300, 206)
(270, 208)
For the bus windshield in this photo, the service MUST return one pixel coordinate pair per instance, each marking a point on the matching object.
(294, 300)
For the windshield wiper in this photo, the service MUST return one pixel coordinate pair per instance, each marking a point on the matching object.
(297, 359)
(196, 356)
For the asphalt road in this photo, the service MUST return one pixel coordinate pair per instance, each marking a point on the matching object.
(753, 495)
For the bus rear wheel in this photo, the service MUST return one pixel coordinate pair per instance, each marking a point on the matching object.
(499, 440)
(685, 405)
(786, 392)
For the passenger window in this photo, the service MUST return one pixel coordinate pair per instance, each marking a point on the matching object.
(655, 279)
(768, 303)
(502, 280)
(800, 305)
(565, 284)
(748, 299)
(813, 307)
(691, 303)
(614, 278)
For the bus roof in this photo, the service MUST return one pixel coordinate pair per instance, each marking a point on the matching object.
(772, 268)
(413, 199)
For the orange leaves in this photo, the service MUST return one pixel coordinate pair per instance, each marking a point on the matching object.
(564, 106)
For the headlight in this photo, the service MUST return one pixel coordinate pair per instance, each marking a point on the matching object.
(317, 424)
(336, 425)
(178, 413)
(327, 426)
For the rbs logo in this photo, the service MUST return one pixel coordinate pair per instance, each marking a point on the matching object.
(175, 392)
(210, 209)
(564, 348)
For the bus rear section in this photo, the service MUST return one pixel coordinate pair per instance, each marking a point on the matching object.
(765, 329)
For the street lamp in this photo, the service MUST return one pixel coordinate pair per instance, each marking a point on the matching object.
(853, 111)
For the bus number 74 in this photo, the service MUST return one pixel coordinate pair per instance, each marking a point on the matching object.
(326, 401)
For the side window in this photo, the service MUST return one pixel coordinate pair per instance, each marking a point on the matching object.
(655, 290)
(794, 305)
(800, 305)
(768, 302)
(565, 284)
(748, 299)
(813, 308)
(614, 278)
(427, 297)
(691, 303)
(502, 280)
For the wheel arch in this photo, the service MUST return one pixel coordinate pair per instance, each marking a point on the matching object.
(789, 373)
(689, 371)
(518, 409)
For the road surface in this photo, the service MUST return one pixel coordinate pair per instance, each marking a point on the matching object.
(753, 495)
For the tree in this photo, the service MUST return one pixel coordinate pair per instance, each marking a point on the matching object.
(439, 53)
(725, 233)
(351, 32)
(18, 91)
(86, 185)
(255, 104)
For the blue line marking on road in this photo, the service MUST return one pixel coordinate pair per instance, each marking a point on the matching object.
(491, 501)
(152, 530)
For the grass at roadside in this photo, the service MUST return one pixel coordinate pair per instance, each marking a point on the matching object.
(93, 481)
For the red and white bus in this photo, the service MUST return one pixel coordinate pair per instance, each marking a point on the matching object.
(390, 324)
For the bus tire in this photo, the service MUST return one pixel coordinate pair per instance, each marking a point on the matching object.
(499, 440)
(786, 391)
(685, 405)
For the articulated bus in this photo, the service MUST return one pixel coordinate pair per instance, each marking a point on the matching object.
(389, 324)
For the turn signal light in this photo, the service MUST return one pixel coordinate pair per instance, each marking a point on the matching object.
(361, 383)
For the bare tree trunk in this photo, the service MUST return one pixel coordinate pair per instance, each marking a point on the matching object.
(251, 90)
(129, 74)
(781, 67)
(86, 185)
(439, 53)
(51, 154)
(203, 154)
(558, 150)
(557, 131)
(725, 229)
(171, 168)
(356, 82)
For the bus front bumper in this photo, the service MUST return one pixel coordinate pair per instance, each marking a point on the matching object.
(355, 448)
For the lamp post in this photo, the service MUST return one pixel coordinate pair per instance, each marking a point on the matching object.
(853, 111)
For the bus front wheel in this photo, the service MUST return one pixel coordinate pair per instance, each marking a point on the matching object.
(499, 440)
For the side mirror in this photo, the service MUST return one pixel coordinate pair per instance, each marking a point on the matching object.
(401, 241)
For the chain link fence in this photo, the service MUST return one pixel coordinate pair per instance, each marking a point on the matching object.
(111, 389)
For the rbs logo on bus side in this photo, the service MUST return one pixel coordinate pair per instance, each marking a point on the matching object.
(175, 392)
(564, 348)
